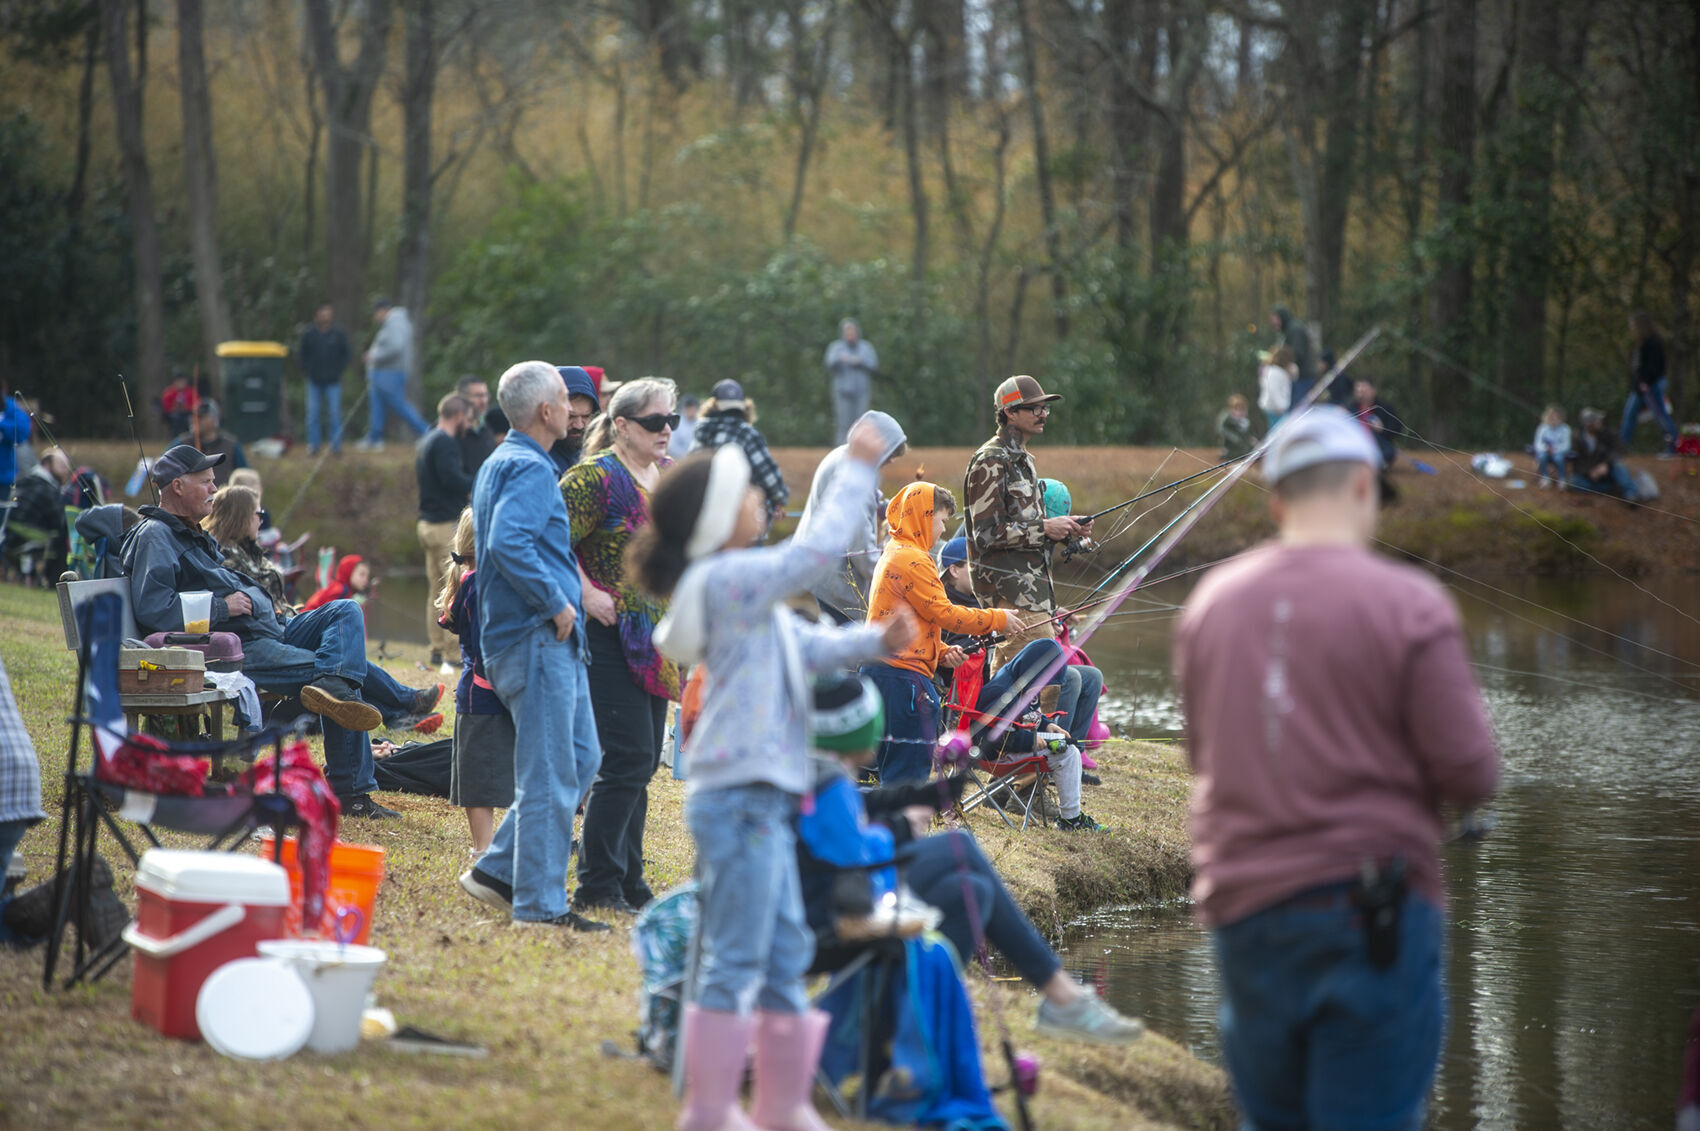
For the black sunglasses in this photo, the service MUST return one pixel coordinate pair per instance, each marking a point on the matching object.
(656, 421)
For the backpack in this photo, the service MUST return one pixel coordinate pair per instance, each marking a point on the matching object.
(661, 939)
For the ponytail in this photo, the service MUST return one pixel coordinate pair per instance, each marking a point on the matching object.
(656, 554)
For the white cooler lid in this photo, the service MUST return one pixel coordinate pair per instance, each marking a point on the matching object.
(255, 1009)
(212, 877)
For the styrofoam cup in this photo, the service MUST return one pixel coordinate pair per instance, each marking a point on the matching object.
(339, 976)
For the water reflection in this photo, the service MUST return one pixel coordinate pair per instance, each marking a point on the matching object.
(1576, 926)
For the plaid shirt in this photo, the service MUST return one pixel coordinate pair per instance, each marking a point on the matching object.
(729, 428)
(20, 772)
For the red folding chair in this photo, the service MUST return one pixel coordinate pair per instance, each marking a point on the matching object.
(994, 779)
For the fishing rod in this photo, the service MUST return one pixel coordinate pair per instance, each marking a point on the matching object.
(130, 411)
(992, 640)
(1181, 482)
(324, 454)
(91, 485)
(1146, 545)
(1162, 543)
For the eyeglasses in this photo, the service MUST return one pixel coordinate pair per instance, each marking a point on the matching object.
(1036, 409)
(656, 421)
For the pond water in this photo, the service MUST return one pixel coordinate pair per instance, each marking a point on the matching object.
(1575, 938)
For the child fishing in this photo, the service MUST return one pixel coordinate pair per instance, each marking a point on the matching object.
(747, 763)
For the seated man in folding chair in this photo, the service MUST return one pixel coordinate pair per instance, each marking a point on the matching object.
(319, 656)
(1011, 695)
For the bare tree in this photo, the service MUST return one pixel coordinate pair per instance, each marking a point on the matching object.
(810, 70)
(1042, 168)
(127, 86)
(200, 174)
(347, 90)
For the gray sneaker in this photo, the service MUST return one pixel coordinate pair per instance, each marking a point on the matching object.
(1088, 1020)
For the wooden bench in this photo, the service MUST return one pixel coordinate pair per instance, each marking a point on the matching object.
(177, 705)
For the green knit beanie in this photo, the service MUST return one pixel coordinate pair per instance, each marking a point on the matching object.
(848, 713)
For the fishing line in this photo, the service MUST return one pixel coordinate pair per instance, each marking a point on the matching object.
(342, 429)
(130, 411)
(1466, 372)
(1610, 690)
(90, 483)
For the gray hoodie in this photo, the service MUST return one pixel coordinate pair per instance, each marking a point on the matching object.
(393, 347)
(847, 585)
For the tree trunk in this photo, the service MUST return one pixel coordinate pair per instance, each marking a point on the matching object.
(1530, 169)
(348, 91)
(1339, 160)
(144, 236)
(1455, 252)
(917, 182)
(1042, 169)
(200, 175)
(413, 256)
(78, 192)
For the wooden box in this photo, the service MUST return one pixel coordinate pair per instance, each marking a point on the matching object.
(161, 671)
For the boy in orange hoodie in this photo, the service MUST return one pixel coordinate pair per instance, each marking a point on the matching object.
(907, 576)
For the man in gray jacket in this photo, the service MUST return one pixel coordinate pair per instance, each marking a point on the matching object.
(843, 593)
(389, 359)
(852, 363)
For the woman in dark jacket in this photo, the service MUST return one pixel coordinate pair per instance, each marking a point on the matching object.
(1648, 381)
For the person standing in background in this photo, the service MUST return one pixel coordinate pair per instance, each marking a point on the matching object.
(852, 363)
(476, 442)
(324, 354)
(1296, 337)
(208, 434)
(1330, 711)
(389, 359)
(686, 433)
(445, 487)
(14, 430)
(1648, 383)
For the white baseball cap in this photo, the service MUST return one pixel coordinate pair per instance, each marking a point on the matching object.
(1325, 434)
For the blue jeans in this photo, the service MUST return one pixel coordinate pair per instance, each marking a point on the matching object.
(754, 941)
(1655, 400)
(330, 640)
(325, 399)
(542, 682)
(1550, 467)
(950, 872)
(1316, 1037)
(1081, 687)
(1008, 693)
(911, 723)
(1619, 478)
(389, 393)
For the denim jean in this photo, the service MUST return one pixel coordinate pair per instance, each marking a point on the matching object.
(325, 400)
(1314, 1036)
(1655, 400)
(1550, 467)
(911, 723)
(1618, 478)
(755, 943)
(1020, 676)
(1081, 687)
(389, 394)
(950, 872)
(329, 640)
(542, 683)
(631, 724)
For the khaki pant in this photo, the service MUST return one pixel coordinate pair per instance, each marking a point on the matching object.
(438, 539)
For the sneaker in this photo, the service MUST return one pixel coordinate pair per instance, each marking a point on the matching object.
(572, 920)
(485, 888)
(339, 701)
(1081, 824)
(1088, 1020)
(362, 806)
(447, 670)
(424, 724)
(1090, 779)
(426, 701)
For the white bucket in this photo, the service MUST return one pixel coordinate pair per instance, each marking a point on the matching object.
(339, 977)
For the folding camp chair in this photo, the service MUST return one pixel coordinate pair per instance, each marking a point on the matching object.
(142, 780)
(995, 781)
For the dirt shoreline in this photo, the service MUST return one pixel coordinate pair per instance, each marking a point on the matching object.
(1452, 520)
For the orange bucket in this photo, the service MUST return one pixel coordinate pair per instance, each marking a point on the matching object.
(356, 872)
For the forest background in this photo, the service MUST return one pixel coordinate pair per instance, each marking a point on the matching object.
(1110, 194)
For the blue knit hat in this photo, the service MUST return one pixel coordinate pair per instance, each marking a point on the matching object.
(579, 383)
(954, 552)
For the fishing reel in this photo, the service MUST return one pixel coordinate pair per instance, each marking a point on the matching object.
(954, 751)
(1026, 1070)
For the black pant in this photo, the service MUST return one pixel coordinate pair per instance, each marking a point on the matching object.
(631, 723)
(950, 872)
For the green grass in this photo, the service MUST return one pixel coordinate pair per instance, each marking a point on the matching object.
(543, 1003)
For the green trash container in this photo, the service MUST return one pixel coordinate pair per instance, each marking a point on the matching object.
(253, 388)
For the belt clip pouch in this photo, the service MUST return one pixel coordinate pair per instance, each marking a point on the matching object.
(1378, 896)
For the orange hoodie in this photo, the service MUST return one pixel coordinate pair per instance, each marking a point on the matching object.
(907, 575)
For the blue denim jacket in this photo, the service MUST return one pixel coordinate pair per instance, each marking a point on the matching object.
(527, 572)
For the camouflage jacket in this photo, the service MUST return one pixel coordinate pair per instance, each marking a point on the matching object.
(1008, 553)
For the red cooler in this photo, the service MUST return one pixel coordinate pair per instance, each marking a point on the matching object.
(195, 912)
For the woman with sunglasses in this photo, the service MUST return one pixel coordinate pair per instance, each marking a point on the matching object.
(607, 496)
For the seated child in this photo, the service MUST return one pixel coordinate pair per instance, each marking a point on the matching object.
(353, 580)
(1552, 447)
(907, 578)
(1234, 427)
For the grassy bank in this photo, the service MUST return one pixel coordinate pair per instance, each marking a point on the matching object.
(543, 1003)
(364, 503)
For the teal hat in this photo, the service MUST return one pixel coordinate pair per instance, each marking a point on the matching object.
(847, 713)
(1057, 500)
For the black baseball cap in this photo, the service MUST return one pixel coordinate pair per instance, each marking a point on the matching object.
(184, 459)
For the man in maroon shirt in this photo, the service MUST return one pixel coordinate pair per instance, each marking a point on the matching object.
(1331, 710)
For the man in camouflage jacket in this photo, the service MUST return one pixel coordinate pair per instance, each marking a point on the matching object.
(1009, 537)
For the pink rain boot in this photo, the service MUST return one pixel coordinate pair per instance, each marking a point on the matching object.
(787, 1050)
(716, 1048)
